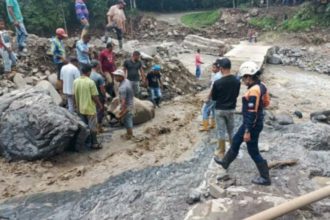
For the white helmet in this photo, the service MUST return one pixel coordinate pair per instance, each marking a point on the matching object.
(119, 72)
(248, 68)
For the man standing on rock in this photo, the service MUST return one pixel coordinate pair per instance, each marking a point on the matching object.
(225, 92)
(82, 49)
(254, 101)
(116, 21)
(126, 99)
(69, 73)
(100, 85)
(15, 17)
(82, 15)
(134, 71)
(209, 105)
(58, 50)
(86, 97)
(198, 64)
(107, 59)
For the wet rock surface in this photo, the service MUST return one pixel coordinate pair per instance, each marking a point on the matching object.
(152, 193)
(33, 126)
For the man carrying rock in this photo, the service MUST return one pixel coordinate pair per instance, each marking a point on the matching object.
(86, 98)
(58, 50)
(82, 15)
(100, 85)
(116, 21)
(82, 49)
(225, 92)
(15, 17)
(134, 71)
(126, 99)
(107, 59)
(69, 73)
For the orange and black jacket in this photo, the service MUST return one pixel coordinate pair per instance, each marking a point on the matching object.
(254, 101)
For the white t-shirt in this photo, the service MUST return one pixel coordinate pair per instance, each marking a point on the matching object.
(69, 73)
(215, 77)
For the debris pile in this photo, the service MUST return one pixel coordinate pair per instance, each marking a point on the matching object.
(307, 59)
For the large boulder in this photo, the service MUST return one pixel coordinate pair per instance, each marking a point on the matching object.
(143, 110)
(207, 46)
(45, 85)
(274, 59)
(322, 116)
(33, 126)
(19, 81)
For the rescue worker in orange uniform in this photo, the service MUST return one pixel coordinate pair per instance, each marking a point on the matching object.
(254, 101)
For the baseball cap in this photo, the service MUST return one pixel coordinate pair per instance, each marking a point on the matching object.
(156, 68)
(61, 32)
(224, 63)
(119, 72)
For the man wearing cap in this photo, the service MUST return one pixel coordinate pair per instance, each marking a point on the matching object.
(82, 15)
(126, 98)
(58, 50)
(134, 72)
(16, 17)
(225, 92)
(86, 99)
(116, 21)
(154, 84)
(69, 73)
(253, 103)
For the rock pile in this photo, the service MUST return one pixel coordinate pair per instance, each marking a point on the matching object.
(208, 46)
(33, 126)
(301, 57)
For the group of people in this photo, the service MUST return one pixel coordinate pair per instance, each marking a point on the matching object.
(219, 108)
(87, 83)
(7, 52)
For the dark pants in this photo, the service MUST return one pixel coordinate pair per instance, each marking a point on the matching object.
(252, 145)
(118, 31)
(58, 68)
(100, 113)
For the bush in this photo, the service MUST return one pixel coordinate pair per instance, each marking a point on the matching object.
(296, 24)
(201, 19)
(266, 23)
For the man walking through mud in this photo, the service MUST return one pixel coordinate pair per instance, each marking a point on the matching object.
(126, 99)
(225, 92)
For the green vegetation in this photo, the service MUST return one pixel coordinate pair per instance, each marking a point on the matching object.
(201, 19)
(266, 23)
(308, 17)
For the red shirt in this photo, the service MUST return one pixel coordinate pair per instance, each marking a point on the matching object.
(108, 61)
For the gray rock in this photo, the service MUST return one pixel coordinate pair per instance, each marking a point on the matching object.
(194, 197)
(322, 116)
(299, 114)
(254, 12)
(53, 79)
(33, 126)
(51, 90)
(275, 59)
(19, 81)
(284, 119)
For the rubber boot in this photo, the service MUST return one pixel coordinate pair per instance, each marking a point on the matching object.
(120, 44)
(264, 178)
(95, 143)
(226, 161)
(157, 101)
(221, 148)
(205, 126)
(212, 124)
(129, 134)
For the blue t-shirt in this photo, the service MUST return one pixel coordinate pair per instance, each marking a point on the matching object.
(81, 49)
